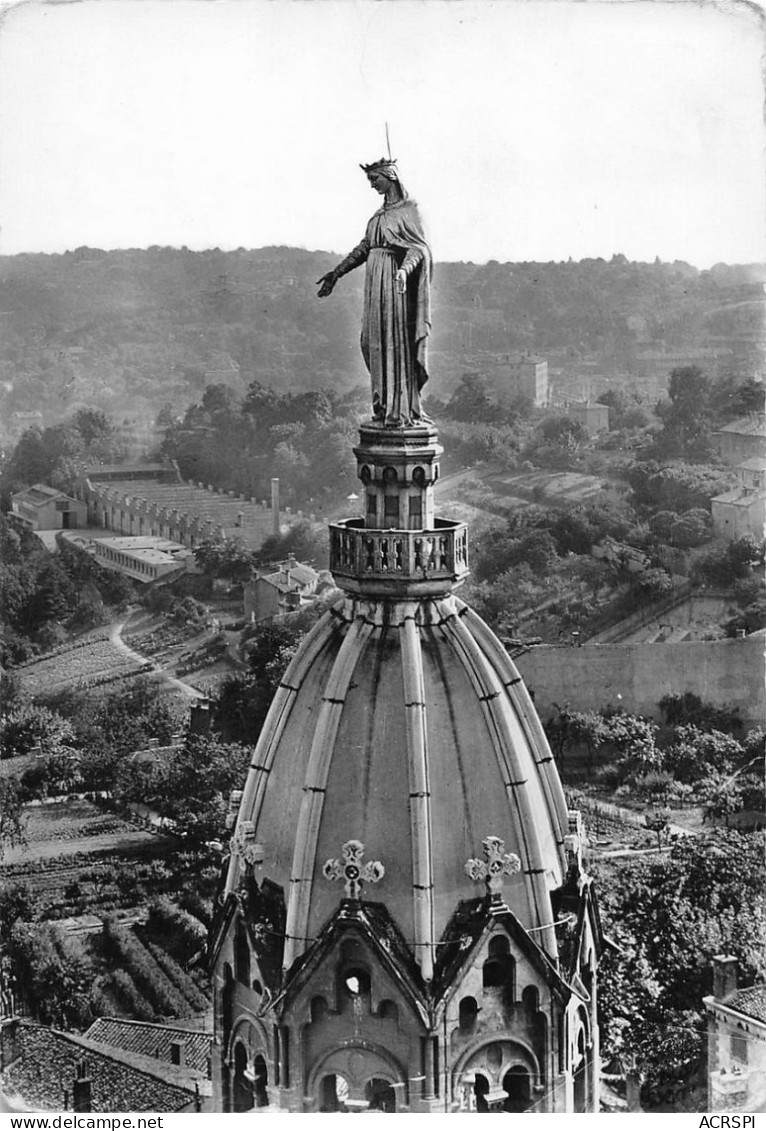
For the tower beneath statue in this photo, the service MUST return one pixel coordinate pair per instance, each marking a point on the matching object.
(406, 923)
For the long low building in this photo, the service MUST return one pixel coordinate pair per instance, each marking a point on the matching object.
(153, 500)
(141, 557)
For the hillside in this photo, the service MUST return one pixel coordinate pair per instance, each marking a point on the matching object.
(130, 331)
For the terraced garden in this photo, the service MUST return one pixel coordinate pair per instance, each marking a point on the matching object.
(125, 905)
(91, 661)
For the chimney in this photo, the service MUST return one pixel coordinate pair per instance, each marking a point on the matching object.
(178, 1052)
(81, 1096)
(275, 507)
(199, 717)
(633, 1090)
(724, 975)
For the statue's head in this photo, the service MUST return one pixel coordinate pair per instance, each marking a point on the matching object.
(382, 174)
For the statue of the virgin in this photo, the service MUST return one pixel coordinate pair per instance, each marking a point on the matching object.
(396, 321)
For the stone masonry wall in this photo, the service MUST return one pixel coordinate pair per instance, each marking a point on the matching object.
(636, 676)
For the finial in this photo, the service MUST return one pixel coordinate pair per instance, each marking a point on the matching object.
(495, 865)
(352, 870)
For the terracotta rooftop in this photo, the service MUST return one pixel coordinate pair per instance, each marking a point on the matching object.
(49, 1061)
(154, 1040)
(750, 1001)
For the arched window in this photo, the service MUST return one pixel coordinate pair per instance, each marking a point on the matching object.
(499, 970)
(243, 1092)
(480, 1091)
(468, 1012)
(333, 1092)
(260, 1083)
(356, 982)
(531, 999)
(227, 998)
(241, 955)
(380, 1095)
(518, 1087)
(318, 1008)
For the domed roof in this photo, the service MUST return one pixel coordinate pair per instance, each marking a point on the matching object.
(405, 726)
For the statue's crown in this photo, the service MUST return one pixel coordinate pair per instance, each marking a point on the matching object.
(376, 166)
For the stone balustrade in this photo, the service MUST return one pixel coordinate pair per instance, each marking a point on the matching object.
(375, 561)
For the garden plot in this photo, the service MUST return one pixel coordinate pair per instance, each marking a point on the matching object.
(82, 665)
(64, 828)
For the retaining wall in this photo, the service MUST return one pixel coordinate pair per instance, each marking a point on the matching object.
(636, 676)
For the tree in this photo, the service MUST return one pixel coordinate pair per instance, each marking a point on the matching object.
(670, 914)
(472, 400)
(686, 415)
(92, 424)
(695, 754)
(11, 814)
(31, 727)
(192, 788)
(225, 558)
(586, 728)
(55, 972)
(657, 822)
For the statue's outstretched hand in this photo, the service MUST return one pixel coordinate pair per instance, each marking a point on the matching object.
(401, 281)
(326, 284)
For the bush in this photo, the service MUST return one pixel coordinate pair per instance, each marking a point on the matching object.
(178, 976)
(695, 754)
(678, 710)
(180, 933)
(122, 944)
(129, 995)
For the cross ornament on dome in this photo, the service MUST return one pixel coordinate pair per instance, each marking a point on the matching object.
(351, 869)
(495, 865)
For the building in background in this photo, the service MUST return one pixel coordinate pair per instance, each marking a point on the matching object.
(740, 513)
(115, 1066)
(736, 1028)
(284, 589)
(593, 416)
(521, 374)
(743, 440)
(41, 507)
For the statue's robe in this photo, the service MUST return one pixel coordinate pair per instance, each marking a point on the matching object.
(395, 327)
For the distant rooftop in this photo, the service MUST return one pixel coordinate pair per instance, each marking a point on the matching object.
(292, 575)
(39, 494)
(750, 1001)
(121, 1080)
(742, 496)
(752, 425)
(148, 1039)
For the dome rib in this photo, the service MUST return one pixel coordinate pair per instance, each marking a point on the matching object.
(420, 794)
(530, 722)
(315, 784)
(496, 708)
(316, 641)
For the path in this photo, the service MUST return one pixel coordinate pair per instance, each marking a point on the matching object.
(115, 638)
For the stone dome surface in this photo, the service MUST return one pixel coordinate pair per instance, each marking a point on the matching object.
(403, 725)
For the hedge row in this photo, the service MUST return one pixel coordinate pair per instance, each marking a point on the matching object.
(122, 945)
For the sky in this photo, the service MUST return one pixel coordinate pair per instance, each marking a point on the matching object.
(525, 129)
